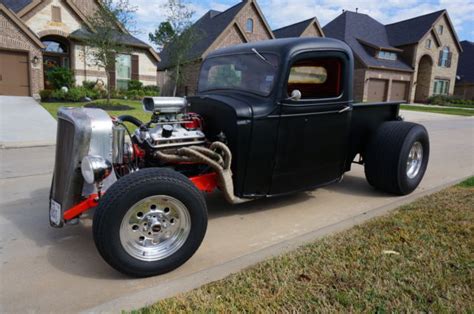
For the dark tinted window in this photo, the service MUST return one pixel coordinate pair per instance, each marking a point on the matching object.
(316, 78)
(247, 72)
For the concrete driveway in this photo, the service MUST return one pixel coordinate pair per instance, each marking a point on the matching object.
(25, 123)
(50, 270)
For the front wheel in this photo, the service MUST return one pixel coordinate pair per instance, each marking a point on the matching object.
(397, 156)
(150, 222)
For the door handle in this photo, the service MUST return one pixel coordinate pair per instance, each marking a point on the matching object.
(344, 109)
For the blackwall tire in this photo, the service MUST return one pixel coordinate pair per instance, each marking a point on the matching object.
(157, 212)
(397, 157)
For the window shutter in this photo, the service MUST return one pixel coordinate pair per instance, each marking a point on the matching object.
(440, 57)
(448, 62)
(135, 68)
(112, 75)
(55, 14)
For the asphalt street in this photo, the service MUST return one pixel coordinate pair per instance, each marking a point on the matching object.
(59, 270)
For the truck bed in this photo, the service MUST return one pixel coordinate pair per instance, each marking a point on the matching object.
(366, 118)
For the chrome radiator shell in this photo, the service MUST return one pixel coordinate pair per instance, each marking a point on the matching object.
(81, 132)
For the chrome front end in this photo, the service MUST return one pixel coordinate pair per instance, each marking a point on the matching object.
(81, 132)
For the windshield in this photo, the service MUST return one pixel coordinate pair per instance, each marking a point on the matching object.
(247, 72)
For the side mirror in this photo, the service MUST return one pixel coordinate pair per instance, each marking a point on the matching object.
(295, 95)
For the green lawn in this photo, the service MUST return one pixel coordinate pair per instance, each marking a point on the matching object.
(137, 111)
(440, 109)
(418, 259)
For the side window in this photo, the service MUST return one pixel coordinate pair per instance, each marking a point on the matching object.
(316, 78)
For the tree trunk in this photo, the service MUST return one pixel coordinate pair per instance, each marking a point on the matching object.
(109, 86)
(176, 80)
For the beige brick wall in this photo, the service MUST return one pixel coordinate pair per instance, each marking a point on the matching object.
(311, 31)
(259, 30)
(85, 69)
(41, 20)
(11, 37)
(232, 37)
(447, 39)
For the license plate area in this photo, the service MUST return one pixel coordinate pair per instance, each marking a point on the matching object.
(55, 214)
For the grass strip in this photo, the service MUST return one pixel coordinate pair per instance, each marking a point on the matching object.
(417, 259)
(444, 110)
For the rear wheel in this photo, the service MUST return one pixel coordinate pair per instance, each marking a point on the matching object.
(150, 222)
(397, 156)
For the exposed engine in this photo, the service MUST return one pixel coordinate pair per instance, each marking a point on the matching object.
(172, 126)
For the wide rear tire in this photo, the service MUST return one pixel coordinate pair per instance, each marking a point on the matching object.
(150, 222)
(397, 156)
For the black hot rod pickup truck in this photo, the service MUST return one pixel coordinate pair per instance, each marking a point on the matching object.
(269, 118)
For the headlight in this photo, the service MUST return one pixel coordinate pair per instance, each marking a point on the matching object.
(95, 169)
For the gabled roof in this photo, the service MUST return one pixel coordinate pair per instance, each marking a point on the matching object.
(466, 62)
(15, 5)
(207, 29)
(19, 23)
(297, 29)
(412, 30)
(362, 33)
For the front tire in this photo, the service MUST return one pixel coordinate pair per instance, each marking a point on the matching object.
(397, 156)
(150, 222)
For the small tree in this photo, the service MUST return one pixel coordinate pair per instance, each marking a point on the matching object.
(109, 23)
(177, 35)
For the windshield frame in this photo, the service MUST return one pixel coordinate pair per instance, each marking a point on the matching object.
(250, 91)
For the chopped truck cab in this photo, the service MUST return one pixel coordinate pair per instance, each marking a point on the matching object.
(270, 118)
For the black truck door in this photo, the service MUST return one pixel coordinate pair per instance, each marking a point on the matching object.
(313, 134)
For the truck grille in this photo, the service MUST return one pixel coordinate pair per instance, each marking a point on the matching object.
(62, 166)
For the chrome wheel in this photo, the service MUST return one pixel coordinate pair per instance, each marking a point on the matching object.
(155, 228)
(415, 160)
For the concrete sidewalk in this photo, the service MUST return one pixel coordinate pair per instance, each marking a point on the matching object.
(25, 123)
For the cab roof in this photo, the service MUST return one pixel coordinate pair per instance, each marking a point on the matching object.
(285, 46)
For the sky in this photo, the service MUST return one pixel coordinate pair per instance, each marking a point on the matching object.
(280, 13)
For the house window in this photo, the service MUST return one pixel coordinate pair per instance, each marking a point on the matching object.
(445, 58)
(55, 14)
(249, 26)
(441, 87)
(386, 55)
(440, 29)
(428, 43)
(123, 67)
(316, 78)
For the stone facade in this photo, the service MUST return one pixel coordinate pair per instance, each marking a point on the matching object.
(13, 38)
(428, 76)
(312, 31)
(72, 17)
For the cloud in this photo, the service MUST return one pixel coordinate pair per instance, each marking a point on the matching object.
(280, 13)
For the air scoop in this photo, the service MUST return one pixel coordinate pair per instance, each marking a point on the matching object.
(164, 104)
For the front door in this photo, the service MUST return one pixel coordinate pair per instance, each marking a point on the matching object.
(313, 132)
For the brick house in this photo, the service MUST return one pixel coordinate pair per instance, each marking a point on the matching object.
(242, 23)
(37, 35)
(306, 28)
(408, 60)
(464, 87)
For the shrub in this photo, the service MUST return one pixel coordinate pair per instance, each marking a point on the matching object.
(45, 94)
(152, 90)
(135, 94)
(59, 77)
(89, 84)
(442, 100)
(115, 105)
(135, 85)
(79, 93)
(58, 94)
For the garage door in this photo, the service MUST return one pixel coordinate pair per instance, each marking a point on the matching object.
(399, 90)
(377, 90)
(14, 73)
